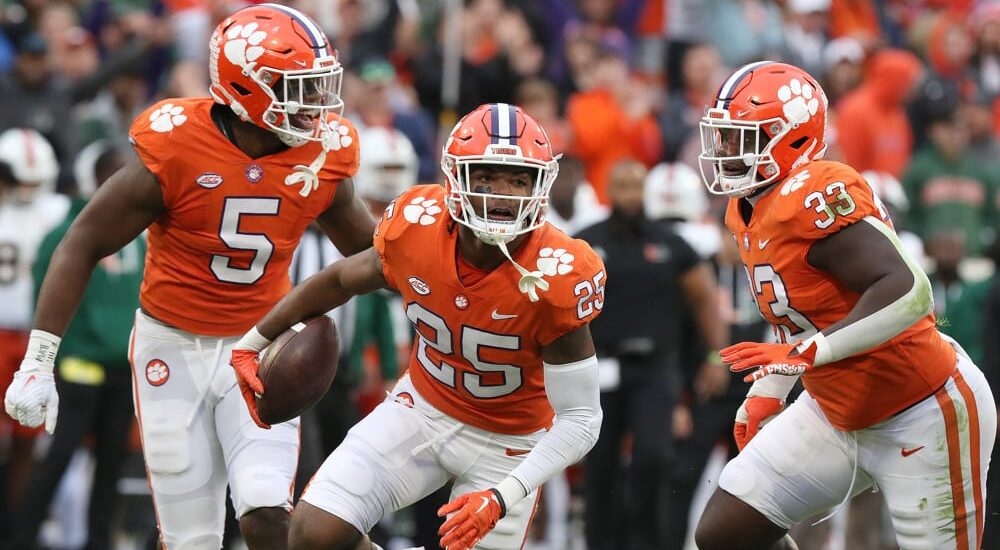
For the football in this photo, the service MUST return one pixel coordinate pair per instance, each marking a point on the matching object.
(297, 369)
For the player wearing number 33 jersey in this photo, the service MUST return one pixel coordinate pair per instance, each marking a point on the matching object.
(889, 402)
(226, 187)
(501, 392)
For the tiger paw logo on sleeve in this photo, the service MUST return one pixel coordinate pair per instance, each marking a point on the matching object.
(167, 117)
(339, 138)
(795, 182)
(554, 261)
(422, 210)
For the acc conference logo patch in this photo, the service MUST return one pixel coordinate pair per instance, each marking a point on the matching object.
(209, 180)
(419, 286)
(157, 372)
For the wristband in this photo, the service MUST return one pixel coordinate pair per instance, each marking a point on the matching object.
(509, 492)
(42, 349)
(253, 341)
(824, 354)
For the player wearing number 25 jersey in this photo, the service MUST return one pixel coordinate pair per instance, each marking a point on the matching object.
(501, 392)
(889, 402)
(226, 187)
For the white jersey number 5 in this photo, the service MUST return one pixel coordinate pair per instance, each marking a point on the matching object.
(258, 243)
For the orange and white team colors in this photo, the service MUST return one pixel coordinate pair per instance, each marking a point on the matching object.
(910, 414)
(226, 186)
(475, 378)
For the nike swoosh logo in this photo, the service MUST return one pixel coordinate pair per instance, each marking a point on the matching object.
(908, 452)
(497, 316)
(299, 63)
(486, 502)
(762, 243)
(29, 380)
(516, 452)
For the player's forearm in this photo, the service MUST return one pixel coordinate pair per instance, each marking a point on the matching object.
(887, 308)
(574, 394)
(63, 287)
(319, 294)
(326, 290)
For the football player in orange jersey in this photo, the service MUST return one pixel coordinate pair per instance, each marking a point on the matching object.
(889, 402)
(502, 390)
(226, 187)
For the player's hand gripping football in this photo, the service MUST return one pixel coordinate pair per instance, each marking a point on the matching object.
(473, 516)
(31, 398)
(768, 359)
(246, 362)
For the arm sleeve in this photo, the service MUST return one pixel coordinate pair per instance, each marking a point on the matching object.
(882, 325)
(573, 391)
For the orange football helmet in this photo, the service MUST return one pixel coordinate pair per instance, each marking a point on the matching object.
(498, 134)
(275, 68)
(767, 119)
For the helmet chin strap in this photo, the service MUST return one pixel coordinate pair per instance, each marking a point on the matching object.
(308, 176)
(530, 281)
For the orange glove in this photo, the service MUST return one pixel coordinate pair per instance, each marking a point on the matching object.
(768, 359)
(475, 514)
(246, 363)
(755, 411)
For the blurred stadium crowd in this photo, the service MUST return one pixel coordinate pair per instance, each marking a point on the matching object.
(619, 85)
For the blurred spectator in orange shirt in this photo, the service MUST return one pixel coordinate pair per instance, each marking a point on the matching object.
(613, 120)
(855, 18)
(872, 128)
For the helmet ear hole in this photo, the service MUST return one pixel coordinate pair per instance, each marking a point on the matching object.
(242, 91)
(799, 142)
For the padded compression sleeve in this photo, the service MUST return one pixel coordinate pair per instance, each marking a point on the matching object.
(573, 391)
(882, 325)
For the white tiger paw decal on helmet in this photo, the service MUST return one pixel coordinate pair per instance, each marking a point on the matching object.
(167, 117)
(337, 138)
(421, 210)
(554, 262)
(795, 182)
(243, 44)
(800, 101)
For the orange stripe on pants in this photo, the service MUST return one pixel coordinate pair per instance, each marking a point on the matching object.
(954, 466)
(977, 490)
(534, 510)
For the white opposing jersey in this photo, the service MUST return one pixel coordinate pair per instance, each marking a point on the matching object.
(22, 228)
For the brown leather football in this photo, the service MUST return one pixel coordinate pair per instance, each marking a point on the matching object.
(297, 369)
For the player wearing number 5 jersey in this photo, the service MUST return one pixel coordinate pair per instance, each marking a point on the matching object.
(226, 188)
(888, 401)
(502, 391)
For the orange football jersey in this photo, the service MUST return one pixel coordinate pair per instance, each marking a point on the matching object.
(816, 200)
(478, 354)
(218, 257)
